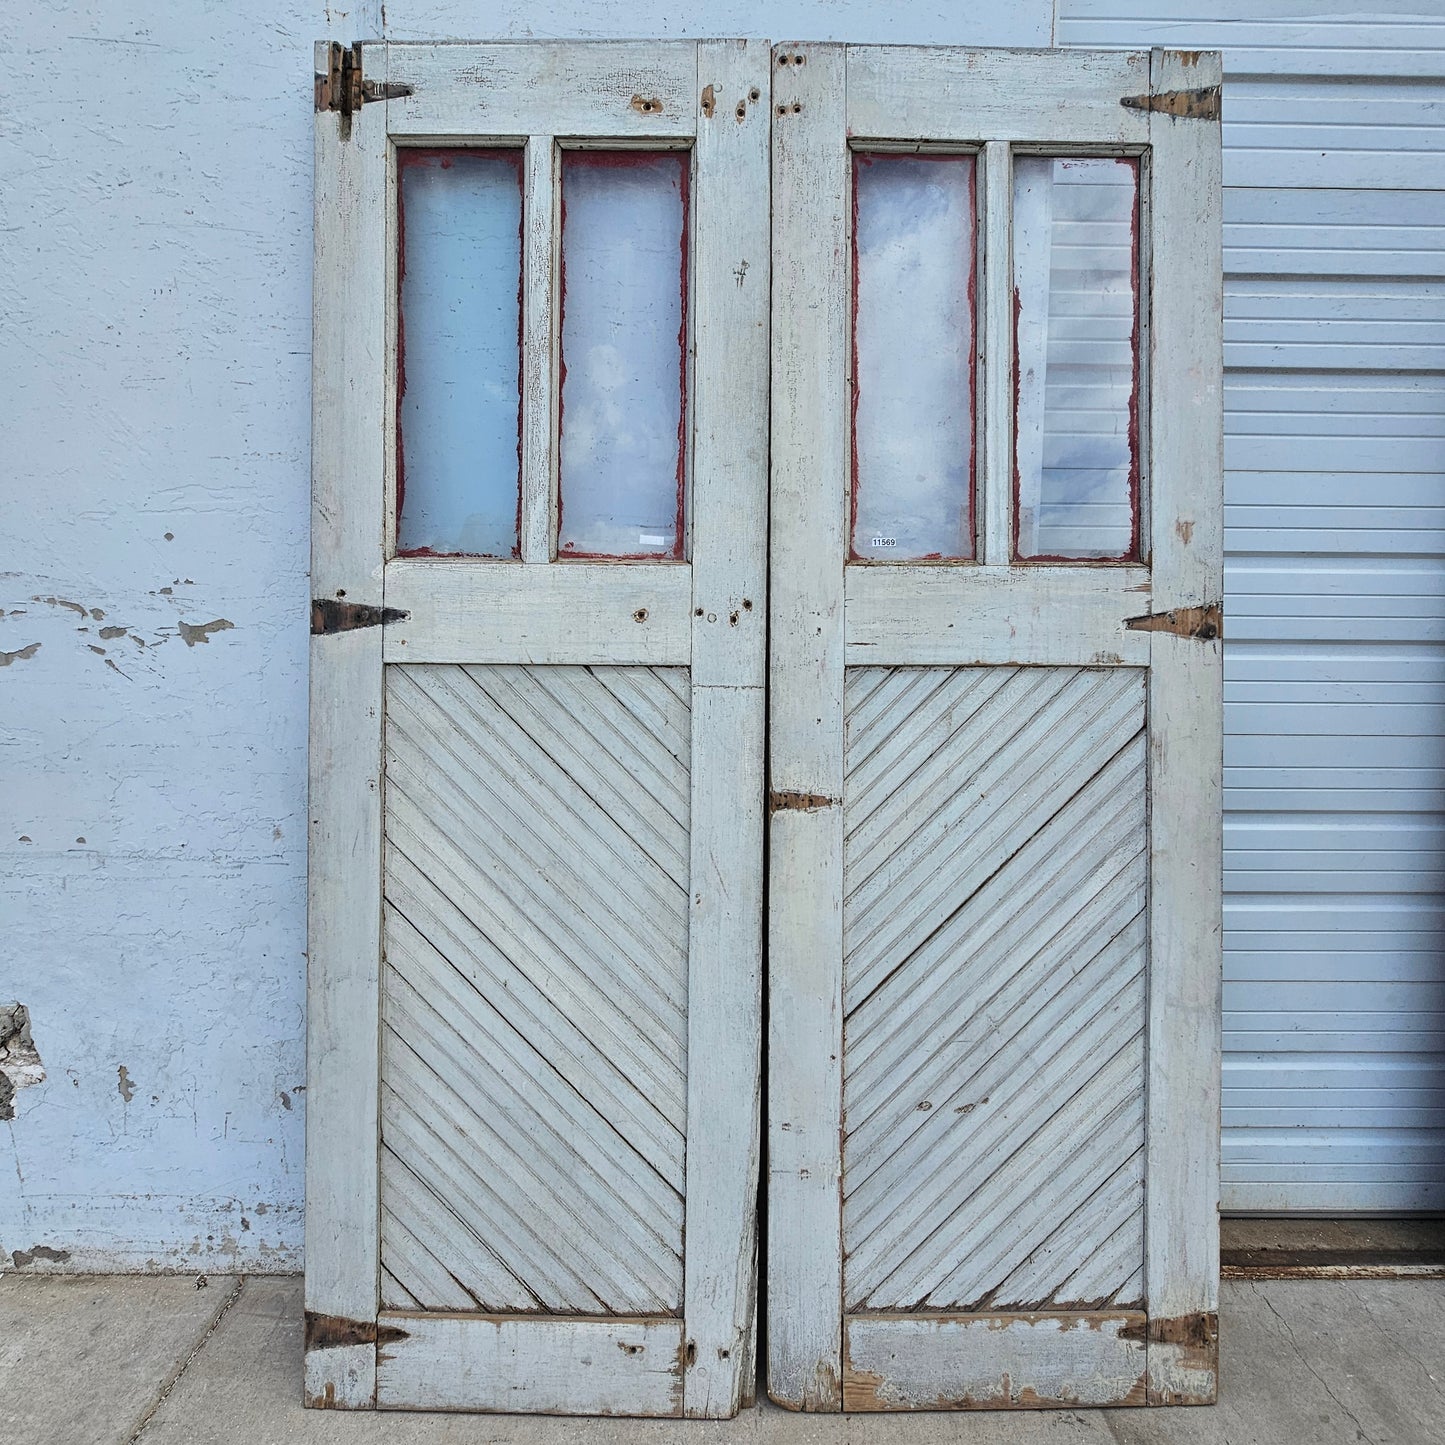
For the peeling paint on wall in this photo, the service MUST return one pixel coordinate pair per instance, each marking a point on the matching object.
(20, 1064)
(21, 1258)
(193, 633)
(162, 415)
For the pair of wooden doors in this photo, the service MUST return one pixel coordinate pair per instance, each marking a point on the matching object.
(680, 404)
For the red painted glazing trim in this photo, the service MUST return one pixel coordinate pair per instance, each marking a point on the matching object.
(972, 533)
(1132, 554)
(866, 158)
(1135, 461)
(860, 159)
(685, 189)
(521, 338)
(410, 157)
(621, 160)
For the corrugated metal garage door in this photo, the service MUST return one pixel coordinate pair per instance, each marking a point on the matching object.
(1334, 135)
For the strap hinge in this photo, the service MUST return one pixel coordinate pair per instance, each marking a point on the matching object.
(330, 615)
(1205, 623)
(1202, 104)
(342, 86)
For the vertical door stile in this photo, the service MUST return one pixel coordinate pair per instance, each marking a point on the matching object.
(729, 536)
(539, 351)
(1185, 707)
(811, 204)
(537, 782)
(996, 395)
(343, 901)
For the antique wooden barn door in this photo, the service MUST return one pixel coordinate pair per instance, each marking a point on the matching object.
(994, 914)
(537, 697)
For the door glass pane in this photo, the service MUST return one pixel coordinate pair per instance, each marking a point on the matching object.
(459, 353)
(1076, 317)
(913, 348)
(624, 284)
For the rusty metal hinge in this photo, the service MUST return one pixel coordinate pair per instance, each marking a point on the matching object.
(1206, 623)
(799, 802)
(330, 615)
(343, 87)
(332, 1332)
(1200, 104)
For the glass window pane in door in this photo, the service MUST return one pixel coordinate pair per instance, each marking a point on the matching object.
(624, 293)
(1076, 326)
(459, 353)
(913, 350)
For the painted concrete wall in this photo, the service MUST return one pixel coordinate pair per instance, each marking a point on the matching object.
(155, 257)
(154, 344)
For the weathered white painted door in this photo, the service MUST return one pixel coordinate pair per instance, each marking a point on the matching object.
(994, 931)
(537, 726)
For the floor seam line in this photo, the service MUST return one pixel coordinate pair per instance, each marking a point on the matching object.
(174, 1379)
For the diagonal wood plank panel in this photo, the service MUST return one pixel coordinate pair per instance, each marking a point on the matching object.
(995, 935)
(534, 1036)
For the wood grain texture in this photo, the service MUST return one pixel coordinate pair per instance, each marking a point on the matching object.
(724, 1078)
(548, 1366)
(1185, 764)
(811, 202)
(729, 509)
(629, 90)
(539, 350)
(535, 1043)
(910, 616)
(995, 941)
(994, 423)
(729, 388)
(994, 1361)
(948, 93)
(343, 907)
(572, 613)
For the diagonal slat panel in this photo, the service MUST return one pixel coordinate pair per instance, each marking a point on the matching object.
(535, 989)
(995, 869)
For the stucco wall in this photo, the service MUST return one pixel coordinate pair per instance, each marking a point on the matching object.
(154, 339)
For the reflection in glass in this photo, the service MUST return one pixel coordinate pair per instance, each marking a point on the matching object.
(459, 407)
(913, 356)
(624, 222)
(1075, 291)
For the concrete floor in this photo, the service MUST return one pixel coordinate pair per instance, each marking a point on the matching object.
(119, 1360)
